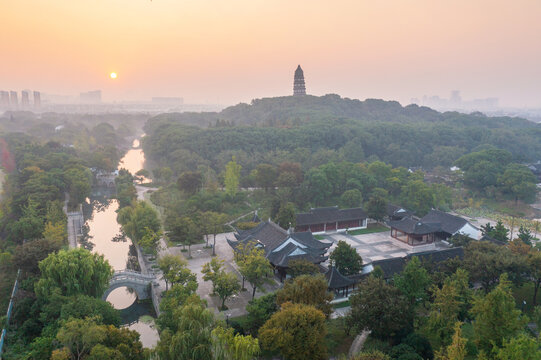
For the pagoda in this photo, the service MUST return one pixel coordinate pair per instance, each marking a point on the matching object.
(298, 83)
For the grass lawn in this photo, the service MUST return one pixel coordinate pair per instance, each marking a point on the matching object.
(370, 230)
(342, 304)
(373, 229)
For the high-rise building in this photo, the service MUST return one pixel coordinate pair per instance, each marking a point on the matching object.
(25, 100)
(13, 101)
(37, 99)
(4, 98)
(298, 82)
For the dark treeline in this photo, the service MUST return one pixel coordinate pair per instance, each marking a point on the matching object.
(316, 130)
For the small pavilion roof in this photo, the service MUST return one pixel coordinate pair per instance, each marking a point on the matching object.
(336, 280)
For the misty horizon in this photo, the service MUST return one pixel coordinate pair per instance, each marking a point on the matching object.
(218, 53)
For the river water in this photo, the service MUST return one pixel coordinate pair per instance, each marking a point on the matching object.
(104, 231)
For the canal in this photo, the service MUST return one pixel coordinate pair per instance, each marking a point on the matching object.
(104, 237)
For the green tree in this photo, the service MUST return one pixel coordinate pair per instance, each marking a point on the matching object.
(56, 233)
(172, 300)
(79, 336)
(256, 269)
(525, 235)
(534, 264)
(192, 338)
(82, 306)
(308, 290)
(28, 255)
(496, 318)
(376, 207)
(522, 347)
(519, 182)
(482, 175)
(417, 196)
(175, 270)
(351, 198)
(30, 225)
(138, 220)
(260, 310)
(346, 259)
(457, 349)
(413, 281)
(73, 272)
(265, 176)
(500, 232)
(85, 338)
(232, 177)
(286, 216)
(190, 182)
(150, 241)
(225, 286)
(444, 313)
(211, 271)
(229, 346)
(79, 181)
(302, 267)
(215, 223)
(486, 262)
(183, 230)
(297, 331)
(379, 307)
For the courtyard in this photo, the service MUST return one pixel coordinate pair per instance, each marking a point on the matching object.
(375, 246)
(201, 255)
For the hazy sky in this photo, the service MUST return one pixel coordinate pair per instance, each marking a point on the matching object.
(229, 51)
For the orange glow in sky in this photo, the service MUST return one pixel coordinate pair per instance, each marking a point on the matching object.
(235, 50)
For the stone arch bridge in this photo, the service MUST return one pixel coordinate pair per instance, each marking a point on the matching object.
(132, 280)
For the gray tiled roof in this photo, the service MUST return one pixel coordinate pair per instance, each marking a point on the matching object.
(449, 223)
(415, 227)
(336, 280)
(270, 236)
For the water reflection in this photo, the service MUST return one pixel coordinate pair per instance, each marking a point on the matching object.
(102, 235)
(122, 298)
(134, 160)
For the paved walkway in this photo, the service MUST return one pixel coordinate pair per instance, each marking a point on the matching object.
(358, 343)
(201, 255)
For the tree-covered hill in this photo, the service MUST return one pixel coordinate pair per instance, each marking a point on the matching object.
(300, 109)
(315, 130)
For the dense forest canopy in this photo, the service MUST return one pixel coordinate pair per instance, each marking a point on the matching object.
(315, 130)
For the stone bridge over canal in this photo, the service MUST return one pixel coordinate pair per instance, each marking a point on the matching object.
(140, 283)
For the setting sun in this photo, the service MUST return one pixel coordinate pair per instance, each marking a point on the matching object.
(113, 75)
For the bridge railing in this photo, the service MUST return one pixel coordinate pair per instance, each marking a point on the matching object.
(131, 275)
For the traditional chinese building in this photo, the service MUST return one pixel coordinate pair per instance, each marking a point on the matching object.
(413, 232)
(331, 219)
(450, 225)
(339, 284)
(436, 225)
(281, 246)
(298, 82)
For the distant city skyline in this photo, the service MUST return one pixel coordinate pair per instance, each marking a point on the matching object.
(235, 51)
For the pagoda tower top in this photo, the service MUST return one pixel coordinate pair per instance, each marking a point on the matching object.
(298, 82)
